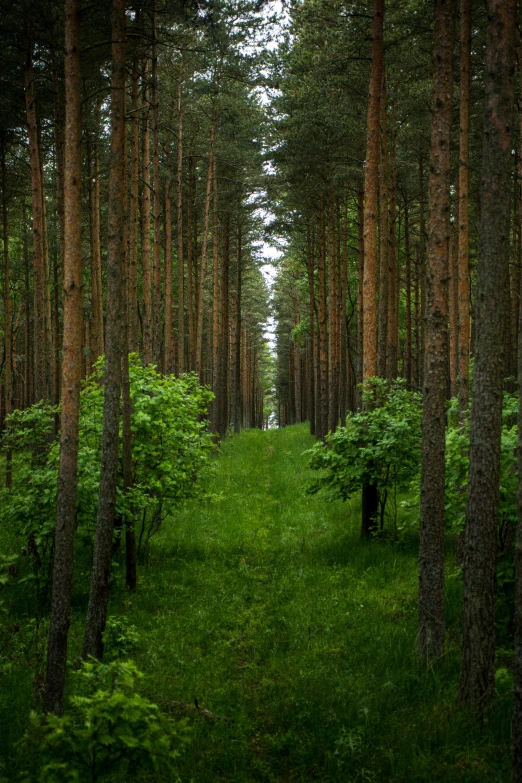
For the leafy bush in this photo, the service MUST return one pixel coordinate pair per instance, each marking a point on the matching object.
(119, 638)
(171, 447)
(107, 729)
(379, 445)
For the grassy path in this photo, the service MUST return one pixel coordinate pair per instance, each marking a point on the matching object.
(264, 605)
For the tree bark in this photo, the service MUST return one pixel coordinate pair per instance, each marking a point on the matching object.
(464, 323)
(145, 222)
(480, 550)
(132, 293)
(71, 370)
(8, 314)
(181, 265)
(203, 268)
(100, 580)
(431, 544)
(371, 189)
(157, 332)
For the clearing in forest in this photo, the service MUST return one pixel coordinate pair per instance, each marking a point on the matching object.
(264, 605)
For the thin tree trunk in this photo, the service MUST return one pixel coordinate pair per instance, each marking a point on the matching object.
(215, 409)
(41, 359)
(71, 370)
(360, 290)
(384, 236)
(101, 570)
(203, 268)
(181, 265)
(132, 293)
(333, 319)
(8, 337)
(371, 189)
(480, 550)
(311, 314)
(394, 282)
(157, 331)
(168, 337)
(453, 314)
(322, 421)
(431, 545)
(463, 241)
(145, 222)
(408, 370)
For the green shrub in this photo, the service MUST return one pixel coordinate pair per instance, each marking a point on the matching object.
(108, 728)
(380, 445)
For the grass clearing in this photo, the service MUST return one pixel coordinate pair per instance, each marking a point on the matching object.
(264, 605)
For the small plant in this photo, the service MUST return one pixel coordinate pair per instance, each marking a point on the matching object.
(111, 729)
(380, 445)
(119, 638)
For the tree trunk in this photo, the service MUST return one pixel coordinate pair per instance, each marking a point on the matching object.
(333, 319)
(181, 266)
(101, 570)
(384, 237)
(145, 222)
(360, 289)
(8, 337)
(463, 259)
(408, 368)
(371, 189)
(40, 337)
(480, 550)
(431, 545)
(157, 332)
(168, 336)
(203, 268)
(132, 292)
(322, 421)
(71, 370)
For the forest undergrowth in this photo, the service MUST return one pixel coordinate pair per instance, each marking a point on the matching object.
(262, 603)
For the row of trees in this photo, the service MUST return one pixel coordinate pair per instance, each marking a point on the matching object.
(398, 229)
(131, 139)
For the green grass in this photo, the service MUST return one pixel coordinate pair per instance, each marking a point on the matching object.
(264, 605)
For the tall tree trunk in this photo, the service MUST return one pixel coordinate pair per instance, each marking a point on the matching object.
(181, 265)
(168, 336)
(157, 331)
(146, 279)
(384, 237)
(8, 337)
(236, 354)
(333, 318)
(463, 259)
(224, 328)
(322, 421)
(311, 314)
(203, 268)
(40, 337)
(360, 291)
(408, 363)
(101, 570)
(371, 189)
(191, 256)
(215, 409)
(480, 549)
(431, 545)
(97, 342)
(71, 370)
(453, 313)
(132, 293)
(394, 284)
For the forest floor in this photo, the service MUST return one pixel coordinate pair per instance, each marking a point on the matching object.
(263, 603)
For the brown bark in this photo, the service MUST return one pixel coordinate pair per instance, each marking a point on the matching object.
(480, 549)
(360, 291)
(132, 292)
(333, 318)
(224, 328)
(100, 579)
(371, 187)
(384, 237)
(311, 315)
(463, 241)
(453, 314)
(394, 282)
(71, 371)
(191, 255)
(344, 389)
(156, 214)
(237, 344)
(168, 336)
(8, 314)
(215, 409)
(181, 265)
(322, 419)
(40, 336)
(97, 342)
(203, 267)
(146, 270)
(431, 545)
(408, 361)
